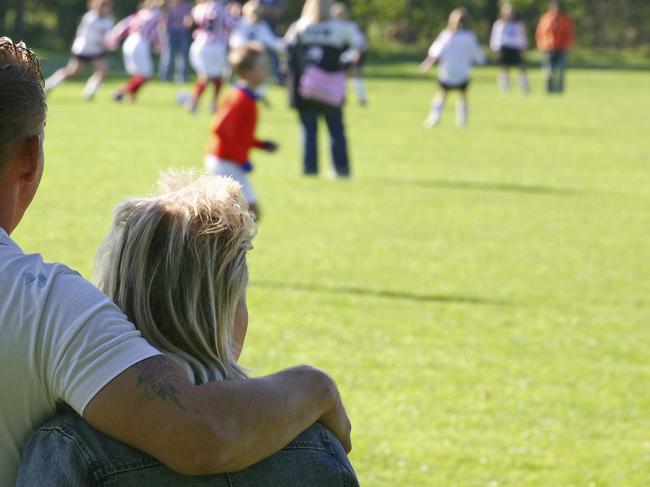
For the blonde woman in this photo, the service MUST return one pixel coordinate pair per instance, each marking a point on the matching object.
(318, 47)
(175, 263)
(455, 50)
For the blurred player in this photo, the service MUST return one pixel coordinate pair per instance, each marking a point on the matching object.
(455, 50)
(232, 134)
(341, 13)
(141, 32)
(253, 28)
(88, 48)
(214, 22)
(509, 40)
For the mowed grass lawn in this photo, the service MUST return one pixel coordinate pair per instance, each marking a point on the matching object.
(481, 295)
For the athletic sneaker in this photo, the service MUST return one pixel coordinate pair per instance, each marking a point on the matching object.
(431, 121)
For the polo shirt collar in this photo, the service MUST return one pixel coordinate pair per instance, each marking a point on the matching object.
(250, 92)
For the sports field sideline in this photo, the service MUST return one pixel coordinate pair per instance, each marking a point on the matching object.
(481, 295)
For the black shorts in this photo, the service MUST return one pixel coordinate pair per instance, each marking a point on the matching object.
(510, 57)
(459, 86)
(88, 59)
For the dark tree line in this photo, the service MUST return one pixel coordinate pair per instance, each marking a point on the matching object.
(600, 23)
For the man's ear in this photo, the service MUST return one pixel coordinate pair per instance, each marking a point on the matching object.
(30, 158)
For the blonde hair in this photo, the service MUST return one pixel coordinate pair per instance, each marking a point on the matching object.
(315, 11)
(176, 265)
(243, 58)
(252, 10)
(339, 11)
(457, 19)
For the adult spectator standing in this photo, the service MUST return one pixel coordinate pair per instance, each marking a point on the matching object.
(316, 80)
(176, 50)
(555, 35)
(65, 342)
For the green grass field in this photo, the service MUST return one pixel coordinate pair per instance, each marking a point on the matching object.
(482, 295)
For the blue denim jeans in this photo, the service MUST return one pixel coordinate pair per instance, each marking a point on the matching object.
(338, 144)
(68, 452)
(175, 54)
(554, 68)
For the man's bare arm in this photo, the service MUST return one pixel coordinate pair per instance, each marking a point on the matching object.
(217, 427)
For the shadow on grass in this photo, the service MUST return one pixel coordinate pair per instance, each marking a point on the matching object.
(377, 293)
(527, 128)
(479, 186)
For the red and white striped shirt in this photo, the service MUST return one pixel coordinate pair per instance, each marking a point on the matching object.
(145, 22)
(213, 23)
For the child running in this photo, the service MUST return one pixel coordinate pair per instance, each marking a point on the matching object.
(232, 133)
(214, 23)
(253, 28)
(455, 50)
(143, 32)
(509, 40)
(340, 12)
(88, 48)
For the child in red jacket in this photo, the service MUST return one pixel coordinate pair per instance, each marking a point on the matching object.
(232, 132)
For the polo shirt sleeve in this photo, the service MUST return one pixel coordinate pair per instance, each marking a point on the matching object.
(85, 341)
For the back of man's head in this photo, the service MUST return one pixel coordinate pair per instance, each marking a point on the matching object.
(22, 99)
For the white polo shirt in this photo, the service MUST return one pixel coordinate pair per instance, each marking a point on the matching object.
(61, 340)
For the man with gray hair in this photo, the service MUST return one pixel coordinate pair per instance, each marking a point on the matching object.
(63, 341)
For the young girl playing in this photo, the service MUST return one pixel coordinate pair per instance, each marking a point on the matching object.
(88, 48)
(232, 134)
(455, 50)
(143, 31)
(213, 22)
(509, 40)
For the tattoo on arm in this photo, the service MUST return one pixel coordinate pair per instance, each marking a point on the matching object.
(158, 379)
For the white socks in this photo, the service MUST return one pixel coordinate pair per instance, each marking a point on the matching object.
(360, 89)
(435, 113)
(55, 80)
(504, 82)
(462, 113)
(91, 86)
(523, 83)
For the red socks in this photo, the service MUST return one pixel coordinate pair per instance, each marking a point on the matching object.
(135, 84)
(198, 91)
(217, 86)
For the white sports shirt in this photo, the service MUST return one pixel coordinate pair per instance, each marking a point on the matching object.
(255, 32)
(89, 40)
(61, 340)
(508, 34)
(456, 52)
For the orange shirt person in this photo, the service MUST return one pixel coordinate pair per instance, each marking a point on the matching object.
(555, 36)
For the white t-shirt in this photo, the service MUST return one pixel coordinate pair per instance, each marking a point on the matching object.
(255, 32)
(510, 34)
(61, 340)
(456, 52)
(89, 40)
